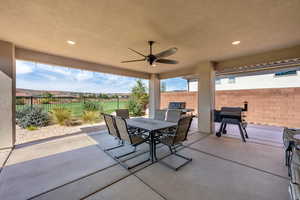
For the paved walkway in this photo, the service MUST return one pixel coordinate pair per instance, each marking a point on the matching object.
(76, 167)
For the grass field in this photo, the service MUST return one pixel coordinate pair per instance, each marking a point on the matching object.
(77, 107)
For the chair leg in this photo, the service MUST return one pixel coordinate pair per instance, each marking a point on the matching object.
(126, 154)
(133, 166)
(174, 152)
(120, 145)
(246, 133)
(286, 157)
(140, 163)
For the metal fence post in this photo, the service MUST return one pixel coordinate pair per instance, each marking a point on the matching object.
(31, 102)
(118, 103)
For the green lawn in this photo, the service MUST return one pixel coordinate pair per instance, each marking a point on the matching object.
(77, 107)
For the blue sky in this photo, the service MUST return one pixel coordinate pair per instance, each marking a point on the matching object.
(46, 77)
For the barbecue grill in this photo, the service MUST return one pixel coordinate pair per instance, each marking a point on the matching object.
(179, 106)
(232, 115)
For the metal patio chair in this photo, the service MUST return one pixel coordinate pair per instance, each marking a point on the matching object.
(134, 138)
(124, 113)
(173, 115)
(173, 139)
(112, 130)
(160, 115)
(294, 191)
(289, 142)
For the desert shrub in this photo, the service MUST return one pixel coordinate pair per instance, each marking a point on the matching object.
(20, 101)
(34, 116)
(61, 115)
(135, 108)
(92, 106)
(22, 112)
(90, 116)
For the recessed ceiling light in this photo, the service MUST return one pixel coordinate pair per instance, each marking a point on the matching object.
(236, 42)
(71, 42)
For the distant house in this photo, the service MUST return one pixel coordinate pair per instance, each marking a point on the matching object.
(277, 79)
(22, 94)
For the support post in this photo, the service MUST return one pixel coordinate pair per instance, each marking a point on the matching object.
(154, 94)
(206, 97)
(8, 94)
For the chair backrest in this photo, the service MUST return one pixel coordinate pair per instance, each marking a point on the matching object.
(124, 113)
(182, 129)
(160, 115)
(173, 115)
(111, 125)
(122, 128)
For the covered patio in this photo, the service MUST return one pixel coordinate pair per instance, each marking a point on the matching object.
(76, 167)
(212, 38)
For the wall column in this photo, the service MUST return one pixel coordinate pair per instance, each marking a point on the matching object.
(7, 97)
(206, 97)
(154, 94)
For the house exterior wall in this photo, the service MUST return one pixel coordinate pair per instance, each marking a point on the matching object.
(272, 106)
(254, 82)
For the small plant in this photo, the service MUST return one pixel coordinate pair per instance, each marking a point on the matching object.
(135, 108)
(34, 116)
(32, 128)
(20, 101)
(61, 115)
(92, 106)
(90, 116)
(45, 101)
(22, 112)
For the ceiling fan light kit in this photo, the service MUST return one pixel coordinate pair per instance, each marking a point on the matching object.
(152, 59)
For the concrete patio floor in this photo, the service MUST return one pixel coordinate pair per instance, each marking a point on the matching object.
(76, 167)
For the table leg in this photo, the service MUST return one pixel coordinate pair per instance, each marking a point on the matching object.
(151, 145)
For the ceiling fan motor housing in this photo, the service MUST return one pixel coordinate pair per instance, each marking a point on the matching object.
(151, 59)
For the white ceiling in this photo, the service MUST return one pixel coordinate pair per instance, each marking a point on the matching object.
(104, 29)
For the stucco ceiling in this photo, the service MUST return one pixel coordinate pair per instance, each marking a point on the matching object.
(104, 29)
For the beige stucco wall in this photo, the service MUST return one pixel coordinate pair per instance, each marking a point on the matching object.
(7, 95)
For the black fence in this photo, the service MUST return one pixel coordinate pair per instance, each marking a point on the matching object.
(75, 104)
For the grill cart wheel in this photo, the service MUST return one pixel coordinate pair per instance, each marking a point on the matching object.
(218, 134)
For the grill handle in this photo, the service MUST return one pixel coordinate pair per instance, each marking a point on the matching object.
(245, 109)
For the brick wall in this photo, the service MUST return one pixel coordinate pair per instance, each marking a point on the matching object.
(278, 106)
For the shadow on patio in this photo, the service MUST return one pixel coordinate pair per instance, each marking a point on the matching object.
(76, 167)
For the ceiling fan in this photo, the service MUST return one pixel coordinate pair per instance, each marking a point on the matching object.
(155, 58)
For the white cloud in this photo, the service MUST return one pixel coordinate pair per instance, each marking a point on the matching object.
(49, 77)
(61, 70)
(23, 67)
(84, 75)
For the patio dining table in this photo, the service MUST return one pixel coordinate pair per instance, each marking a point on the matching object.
(152, 126)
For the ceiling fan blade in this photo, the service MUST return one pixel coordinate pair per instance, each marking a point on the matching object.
(137, 52)
(167, 61)
(138, 60)
(166, 53)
